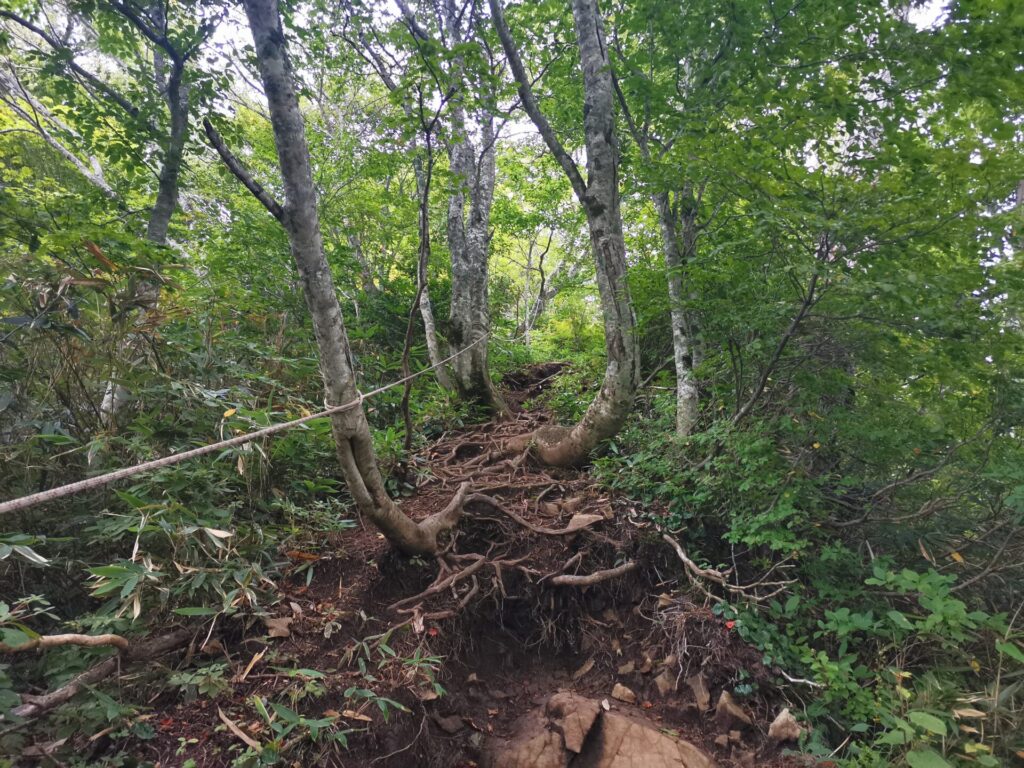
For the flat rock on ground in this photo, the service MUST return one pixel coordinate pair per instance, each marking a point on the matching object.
(572, 731)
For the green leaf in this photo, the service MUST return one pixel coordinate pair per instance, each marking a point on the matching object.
(926, 758)
(1012, 650)
(196, 611)
(899, 620)
(31, 555)
(929, 722)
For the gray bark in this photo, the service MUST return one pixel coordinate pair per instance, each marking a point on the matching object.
(469, 247)
(469, 221)
(679, 249)
(301, 220)
(423, 281)
(599, 196)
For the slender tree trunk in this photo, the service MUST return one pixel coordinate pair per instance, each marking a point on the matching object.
(147, 292)
(679, 249)
(301, 220)
(599, 196)
(423, 281)
(469, 246)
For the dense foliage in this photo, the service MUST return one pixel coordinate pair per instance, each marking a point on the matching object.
(851, 174)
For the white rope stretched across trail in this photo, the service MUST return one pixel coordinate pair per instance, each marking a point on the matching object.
(107, 478)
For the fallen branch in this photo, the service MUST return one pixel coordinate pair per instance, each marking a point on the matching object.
(588, 580)
(52, 641)
(33, 706)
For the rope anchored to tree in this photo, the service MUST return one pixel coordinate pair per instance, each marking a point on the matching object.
(99, 481)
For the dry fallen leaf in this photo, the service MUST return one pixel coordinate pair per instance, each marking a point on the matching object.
(578, 522)
(968, 712)
(278, 626)
(351, 714)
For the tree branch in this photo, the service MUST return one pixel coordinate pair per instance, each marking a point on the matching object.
(531, 106)
(238, 170)
(59, 47)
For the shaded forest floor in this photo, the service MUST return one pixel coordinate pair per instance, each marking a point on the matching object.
(499, 637)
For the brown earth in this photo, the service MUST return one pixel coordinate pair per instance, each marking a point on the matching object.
(509, 638)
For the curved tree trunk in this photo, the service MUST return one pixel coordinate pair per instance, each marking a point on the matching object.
(679, 249)
(599, 196)
(301, 221)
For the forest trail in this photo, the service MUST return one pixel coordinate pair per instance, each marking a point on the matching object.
(499, 635)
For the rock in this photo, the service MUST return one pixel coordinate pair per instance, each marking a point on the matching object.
(627, 668)
(701, 694)
(574, 730)
(647, 665)
(722, 741)
(728, 713)
(665, 682)
(735, 737)
(451, 724)
(745, 758)
(573, 716)
(622, 693)
(784, 728)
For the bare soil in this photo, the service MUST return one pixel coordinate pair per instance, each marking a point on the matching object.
(508, 637)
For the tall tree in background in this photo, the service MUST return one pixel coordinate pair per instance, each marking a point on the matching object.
(599, 196)
(299, 216)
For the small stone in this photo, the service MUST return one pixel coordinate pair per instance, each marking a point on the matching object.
(622, 693)
(472, 679)
(728, 713)
(735, 737)
(451, 724)
(665, 683)
(647, 665)
(700, 692)
(627, 668)
(745, 758)
(784, 728)
(722, 741)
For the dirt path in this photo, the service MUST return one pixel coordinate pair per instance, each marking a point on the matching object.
(488, 624)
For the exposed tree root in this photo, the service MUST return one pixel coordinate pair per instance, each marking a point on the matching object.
(588, 580)
(494, 503)
(698, 575)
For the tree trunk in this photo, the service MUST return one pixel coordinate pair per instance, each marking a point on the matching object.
(301, 220)
(473, 169)
(678, 251)
(146, 294)
(469, 246)
(599, 196)
(423, 281)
